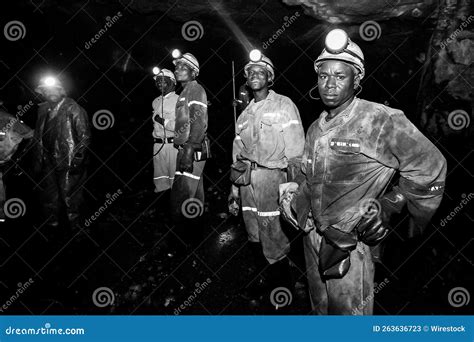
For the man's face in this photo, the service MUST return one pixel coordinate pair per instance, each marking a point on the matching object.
(336, 83)
(183, 72)
(52, 94)
(257, 77)
(164, 84)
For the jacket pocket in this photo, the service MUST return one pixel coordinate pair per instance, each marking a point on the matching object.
(345, 163)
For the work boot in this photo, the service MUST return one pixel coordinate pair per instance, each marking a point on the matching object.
(258, 284)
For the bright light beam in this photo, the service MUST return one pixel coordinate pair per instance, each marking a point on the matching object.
(232, 25)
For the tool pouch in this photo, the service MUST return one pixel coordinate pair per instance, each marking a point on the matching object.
(205, 152)
(335, 252)
(240, 172)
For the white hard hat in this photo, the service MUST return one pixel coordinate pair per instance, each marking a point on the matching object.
(265, 62)
(166, 73)
(189, 60)
(348, 52)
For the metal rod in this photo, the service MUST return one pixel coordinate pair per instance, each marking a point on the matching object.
(233, 95)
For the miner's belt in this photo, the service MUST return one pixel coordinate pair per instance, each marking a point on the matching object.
(160, 141)
(254, 166)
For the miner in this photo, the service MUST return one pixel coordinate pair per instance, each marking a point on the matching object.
(62, 138)
(267, 150)
(342, 200)
(192, 144)
(164, 153)
(12, 132)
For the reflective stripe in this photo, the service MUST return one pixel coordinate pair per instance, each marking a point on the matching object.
(268, 213)
(163, 177)
(182, 99)
(238, 137)
(291, 122)
(197, 102)
(243, 124)
(187, 174)
(261, 213)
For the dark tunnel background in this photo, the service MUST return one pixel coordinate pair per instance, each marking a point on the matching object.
(114, 74)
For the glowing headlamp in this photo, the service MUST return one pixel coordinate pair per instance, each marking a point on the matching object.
(49, 81)
(336, 41)
(176, 53)
(156, 70)
(255, 55)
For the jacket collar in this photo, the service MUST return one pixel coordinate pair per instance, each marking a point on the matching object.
(340, 118)
(270, 97)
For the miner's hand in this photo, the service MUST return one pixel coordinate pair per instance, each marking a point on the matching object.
(286, 197)
(234, 201)
(375, 224)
